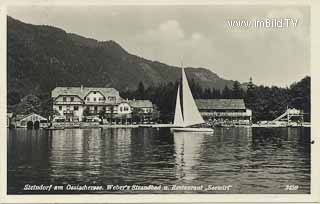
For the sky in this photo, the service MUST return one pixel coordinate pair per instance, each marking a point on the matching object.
(194, 36)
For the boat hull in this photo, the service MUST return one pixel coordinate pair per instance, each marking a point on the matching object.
(192, 129)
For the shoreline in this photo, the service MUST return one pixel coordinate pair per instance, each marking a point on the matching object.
(105, 126)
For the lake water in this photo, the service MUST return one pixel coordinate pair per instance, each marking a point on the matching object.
(252, 160)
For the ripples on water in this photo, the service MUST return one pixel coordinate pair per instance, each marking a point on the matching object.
(252, 160)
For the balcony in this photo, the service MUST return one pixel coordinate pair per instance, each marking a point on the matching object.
(99, 102)
(67, 103)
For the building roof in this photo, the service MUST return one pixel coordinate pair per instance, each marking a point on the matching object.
(82, 91)
(140, 103)
(220, 104)
(21, 117)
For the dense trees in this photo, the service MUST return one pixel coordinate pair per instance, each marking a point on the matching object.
(299, 94)
(269, 102)
(29, 104)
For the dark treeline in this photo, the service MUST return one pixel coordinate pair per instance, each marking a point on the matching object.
(266, 103)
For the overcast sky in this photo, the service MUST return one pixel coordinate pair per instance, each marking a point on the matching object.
(199, 36)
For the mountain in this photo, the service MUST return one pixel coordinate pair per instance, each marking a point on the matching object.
(41, 57)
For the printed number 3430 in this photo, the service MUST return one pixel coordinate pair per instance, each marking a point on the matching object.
(291, 187)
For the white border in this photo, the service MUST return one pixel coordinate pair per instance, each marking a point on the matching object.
(165, 198)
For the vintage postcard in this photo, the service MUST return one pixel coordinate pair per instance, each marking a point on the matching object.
(159, 102)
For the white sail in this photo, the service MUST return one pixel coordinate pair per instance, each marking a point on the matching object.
(191, 115)
(178, 118)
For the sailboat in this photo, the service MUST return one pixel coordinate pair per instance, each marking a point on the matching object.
(188, 115)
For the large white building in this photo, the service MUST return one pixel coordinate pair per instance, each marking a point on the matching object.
(73, 103)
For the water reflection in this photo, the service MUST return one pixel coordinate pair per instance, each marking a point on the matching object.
(258, 160)
(187, 150)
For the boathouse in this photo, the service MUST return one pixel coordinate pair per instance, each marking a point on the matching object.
(30, 121)
(224, 111)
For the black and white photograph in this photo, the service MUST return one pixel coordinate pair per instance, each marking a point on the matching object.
(158, 99)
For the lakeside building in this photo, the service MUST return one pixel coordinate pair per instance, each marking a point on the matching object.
(30, 121)
(75, 103)
(144, 107)
(224, 111)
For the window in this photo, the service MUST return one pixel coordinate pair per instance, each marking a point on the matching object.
(60, 107)
(71, 98)
(126, 108)
(96, 108)
(76, 108)
(94, 92)
(111, 98)
(121, 109)
(64, 99)
(88, 99)
(94, 99)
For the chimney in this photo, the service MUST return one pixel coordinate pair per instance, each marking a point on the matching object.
(81, 87)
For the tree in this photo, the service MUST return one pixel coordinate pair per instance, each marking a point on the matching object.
(155, 113)
(102, 114)
(207, 93)
(29, 104)
(196, 89)
(300, 96)
(46, 104)
(55, 112)
(86, 112)
(226, 92)
(237, 91)
(249, 96)
(215, 93)
(137, 114)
